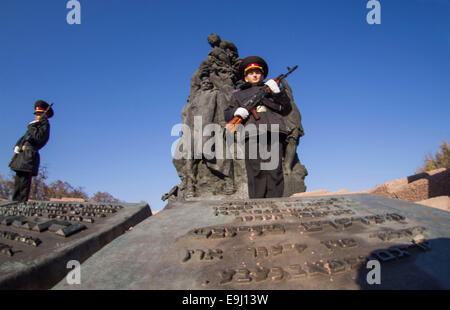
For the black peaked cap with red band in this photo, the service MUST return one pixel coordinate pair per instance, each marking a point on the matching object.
(40, 106)
(252, 62)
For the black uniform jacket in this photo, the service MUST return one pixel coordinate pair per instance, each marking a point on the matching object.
(277, 106)
(34, 139)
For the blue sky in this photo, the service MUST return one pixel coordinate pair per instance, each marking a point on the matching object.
(375, 99)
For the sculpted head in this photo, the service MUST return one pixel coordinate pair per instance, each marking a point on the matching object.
(228, 45)
(206, 84)
(214, 40)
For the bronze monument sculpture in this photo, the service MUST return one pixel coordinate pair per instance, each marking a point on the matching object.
(212, 85)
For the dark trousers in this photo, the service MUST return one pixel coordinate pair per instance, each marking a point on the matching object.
(22, 186)
(264, 183)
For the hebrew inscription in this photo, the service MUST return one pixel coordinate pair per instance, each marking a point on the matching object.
(221, 232)
(276, 241)
(388, 235)
(267, 210)
(341, 243)
(274, 250)
(203, 255)
(309, 226)
(310, 269)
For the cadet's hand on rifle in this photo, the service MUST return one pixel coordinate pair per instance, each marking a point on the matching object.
(273, 86)
(17, 149)
(241, 112)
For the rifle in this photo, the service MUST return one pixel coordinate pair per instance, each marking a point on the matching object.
(44, 115)
(26, 136)
(251, 104)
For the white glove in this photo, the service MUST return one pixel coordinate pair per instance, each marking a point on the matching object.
(273, 86)
(17, 150)
(241, 112)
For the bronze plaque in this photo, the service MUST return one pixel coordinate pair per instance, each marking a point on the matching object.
(38, 238)
(285, 243)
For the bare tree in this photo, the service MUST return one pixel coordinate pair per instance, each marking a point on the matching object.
(57, 189)
(60, 189)
(39, 189)
(104, 197)
(6, 187)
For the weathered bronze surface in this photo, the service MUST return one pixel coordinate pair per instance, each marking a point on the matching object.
(283, 243)
(38, 238)
(212, 85)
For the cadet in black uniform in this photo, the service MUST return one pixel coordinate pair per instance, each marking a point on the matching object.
(253, 70)
(26, 159)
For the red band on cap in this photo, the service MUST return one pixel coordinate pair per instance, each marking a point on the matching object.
(253, 66)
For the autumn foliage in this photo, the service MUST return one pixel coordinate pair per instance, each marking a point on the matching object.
(440, 160)
(40, 190)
